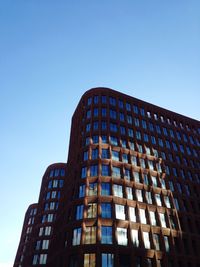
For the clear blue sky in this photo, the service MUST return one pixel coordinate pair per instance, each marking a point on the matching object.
(52, 51)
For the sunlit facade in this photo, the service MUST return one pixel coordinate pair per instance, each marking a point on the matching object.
(129, 194)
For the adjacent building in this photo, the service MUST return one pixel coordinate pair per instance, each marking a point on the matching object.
(129, 194)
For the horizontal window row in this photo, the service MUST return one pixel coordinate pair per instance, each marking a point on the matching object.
(52, 195)
(42, 244)
(51, 206)
(121, 212)
(45, 231)
(124, 105)
(118, 172)
(124, 237)
(57, 172)
(50, 217)
(130, 120)
(39, 259)
(126, 192)
(146, 138)
(55, 183)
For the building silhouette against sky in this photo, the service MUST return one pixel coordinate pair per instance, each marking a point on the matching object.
(129, 194)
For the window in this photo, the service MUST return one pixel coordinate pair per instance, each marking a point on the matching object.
(89, 260)
(167, 202)
(84, 172)
(106, 210)
(81, 191)
(88, 126)
(113, 127)
(135, 109)
(144, 124)
(176, 204)
(113, 141)
(116, 172)
(117, 190)
(162, 220)
(136, 177)
(129, 119)
(112, 101)
(132, 214)
(150, 163)
(47, 231)
(128, 107)
(96, 112)
(103, 112)
(92, 189)
(121, 104)
(148, 197)
(125, 158)
(156, 240)
(115, 155)
(121, 116)
(130, 132)
(152, 218)
(103, 99)
(138, 135)
(135, 237)
(158, 200)
(105, 189)
(120, 212)
(93, 170)
(122, 236)
(35, 259)
(105, 153)
(129, 193)
(142, 163)
(106, 235)
(79, 212)
(139, 195)
(154, 181)
(95, 139)
(90, 235)
(146, 180)
(166, 241)
(95, 153)
(105, 170)
(142, 216)
(113, 114)
(92, 210)
(45, 244)
(43, 259)
(127, 174)
(146, 240)
(107, 260)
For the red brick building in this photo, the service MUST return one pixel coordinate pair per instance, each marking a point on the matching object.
(129, 194)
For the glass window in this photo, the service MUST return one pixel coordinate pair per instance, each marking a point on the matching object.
(127, 174)
(92, 210)
(135, 237)
(106, 210)
(107, 260)
(79, 212)
(43, 259)
(156, 239)
(137, 122)
(166, 241)
(117, 190)
(129, 193)
(122, 236)
(105, 189)
(93, 170)
(147, 244)
(167, 202)
(142, 216)
(96, 112)
(130, 132)
(90, 260)
(125, 158)
(103, 99)
(150, 163)
(89, 101)
(115, 155)
(148, 197)
(88, 126)
(95, 153)
(105, 153)
(113, 141)
(95, 139)
(120, 212)
(162, 220)
(121, 116)
(106, 235)
(139, 195)
(81, 191)
(113, 127)
(154, 181)
(96, 99)
(95, 125)
(136, 177)
(84, 172)
(116, 172)
(45, 244)
(158, 200)
(92, 189)
(129, 119)
(132, 214)
(112, 101)
(152, 218)
(90, 235)
(121, 104)
(146, 179)
(113, 114)
(105, 170)
(103, 112)
(76, 237)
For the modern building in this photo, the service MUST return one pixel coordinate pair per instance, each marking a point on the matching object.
(129, 194)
